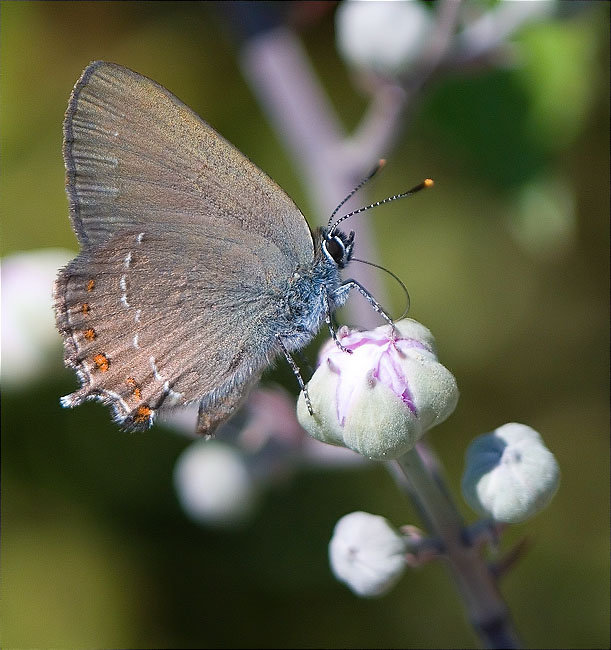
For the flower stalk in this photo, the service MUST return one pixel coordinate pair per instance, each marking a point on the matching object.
(281, 76)
(485, 607)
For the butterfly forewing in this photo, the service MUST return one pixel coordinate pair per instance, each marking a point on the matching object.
(134, 153)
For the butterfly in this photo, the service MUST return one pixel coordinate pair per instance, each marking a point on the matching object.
(196, 270)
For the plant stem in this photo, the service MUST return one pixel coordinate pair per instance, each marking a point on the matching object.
(485, 606)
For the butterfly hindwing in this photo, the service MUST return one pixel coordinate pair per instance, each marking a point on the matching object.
(146, 330)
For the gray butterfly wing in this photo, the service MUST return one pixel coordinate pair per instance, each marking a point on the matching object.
(134, 152)
(187, 252)
(150, 320)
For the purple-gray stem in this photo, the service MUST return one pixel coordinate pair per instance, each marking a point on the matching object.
(476, 584)
(332, 163)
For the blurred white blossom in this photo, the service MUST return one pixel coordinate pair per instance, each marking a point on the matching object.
(509, 474)
(367, 553)
(29, 336)
(214, 485)
(385, 36)
(219, 482)
(382, 398)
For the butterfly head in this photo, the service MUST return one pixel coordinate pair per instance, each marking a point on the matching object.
(337, 246)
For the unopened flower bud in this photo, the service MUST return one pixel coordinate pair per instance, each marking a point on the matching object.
(383, 397)
(509, 474)
(367, 553)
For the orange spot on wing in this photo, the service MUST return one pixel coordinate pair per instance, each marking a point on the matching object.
(90, 334)
(130, 381)
(85, 308)
(102, 362)
(91, 285)
(143, 413)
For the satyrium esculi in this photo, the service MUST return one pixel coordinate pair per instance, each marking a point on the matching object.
(195, 268)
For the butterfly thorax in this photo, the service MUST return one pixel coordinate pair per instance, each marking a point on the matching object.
(313, 287)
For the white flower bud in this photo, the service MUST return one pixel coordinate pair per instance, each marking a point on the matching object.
(382, 398)
(214, 485)
(367, 553)
(509, 474)
(383, 36)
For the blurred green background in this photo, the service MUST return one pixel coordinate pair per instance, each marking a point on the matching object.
(507, 262)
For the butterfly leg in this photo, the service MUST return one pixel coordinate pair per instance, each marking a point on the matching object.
(329, 321)
(295, 369)
(353, 284)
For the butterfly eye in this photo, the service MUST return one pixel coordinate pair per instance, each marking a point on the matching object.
(335, 248)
